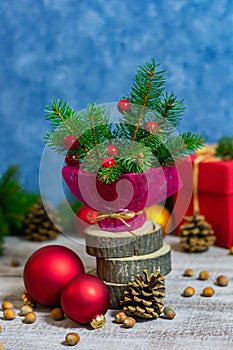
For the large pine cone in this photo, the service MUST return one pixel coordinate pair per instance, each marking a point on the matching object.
(38, 226)
(196, 235)
(144, 297)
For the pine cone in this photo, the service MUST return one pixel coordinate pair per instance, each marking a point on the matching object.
(144, 297)
(196, 235)
(38, 225)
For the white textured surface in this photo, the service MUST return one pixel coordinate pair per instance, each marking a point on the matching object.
(200, 323)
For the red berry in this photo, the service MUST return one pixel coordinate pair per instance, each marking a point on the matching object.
(108, 162)
(151, 126)
(70, 142)
(123, 106)
(87, 215)
(112, 150)
(71, 159)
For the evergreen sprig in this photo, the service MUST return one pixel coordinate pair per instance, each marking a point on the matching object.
(139, 147)
(14, 203)
(224, 148)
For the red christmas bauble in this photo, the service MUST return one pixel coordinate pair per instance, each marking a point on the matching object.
(48, 270)
(70, 142)
(85, 297)
(71, 159)
(123, 106)
(151, 126)
(112, 150)
(108, 162)
(87, 215)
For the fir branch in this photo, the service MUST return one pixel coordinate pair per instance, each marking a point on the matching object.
(139, 148)
(59, 113)
(140, 116)
(224, 148)
(90, 110)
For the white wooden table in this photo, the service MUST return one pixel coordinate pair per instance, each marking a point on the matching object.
(200, 323)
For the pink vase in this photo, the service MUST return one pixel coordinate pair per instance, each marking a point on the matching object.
(130, 192)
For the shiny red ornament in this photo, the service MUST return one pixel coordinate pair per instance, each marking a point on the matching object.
(112, 150)
(151, 126)
(108, 162)
(70, 142)
(124, 106)
(84, 298)
(72, 159)
(87, 215)
(48, 270)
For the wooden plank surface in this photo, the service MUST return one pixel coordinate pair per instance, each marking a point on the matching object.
(200, 323)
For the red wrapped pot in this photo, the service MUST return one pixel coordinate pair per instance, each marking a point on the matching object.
(131, 192)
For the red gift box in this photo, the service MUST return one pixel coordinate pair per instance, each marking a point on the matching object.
(215, 196)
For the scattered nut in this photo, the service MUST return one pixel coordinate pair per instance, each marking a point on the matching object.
(7, 305)
(57, 314)
(169, 312)
(72, 338)
(188, 292)
(29, 318)
(25, 309)
(27, 299)
(15, 262)
(231, 250)
(222, 281)
(129, 322)
(208, 292)
(203, 275)
(120, 317)
(1, 346)
(0, 329)
(188, 273)
(9, 314)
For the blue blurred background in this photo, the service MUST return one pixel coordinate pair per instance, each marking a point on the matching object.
(85, 51)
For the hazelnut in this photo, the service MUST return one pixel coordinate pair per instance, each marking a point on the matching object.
(129, 322)
(30, 317)
(15, 262)
(72, 338)
(9, 314)
(188, 292)
(169, 312)
(222, 281)
(120, 317)
(57, 314)
(203, 275)
(188, 273)
(231, 250)
(7, 305)
(25, 309)
(208, 292)
(0, 329)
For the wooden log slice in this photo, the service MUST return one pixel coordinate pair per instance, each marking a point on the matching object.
(116, 291)
(106, 244)
(123, 270)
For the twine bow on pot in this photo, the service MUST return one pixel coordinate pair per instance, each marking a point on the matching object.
(122, 216)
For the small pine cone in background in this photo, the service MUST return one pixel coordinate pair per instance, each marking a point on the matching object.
(144, 297)
(39, 226)
(196, 235)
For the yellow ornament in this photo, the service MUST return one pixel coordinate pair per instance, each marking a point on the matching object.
(159, 214)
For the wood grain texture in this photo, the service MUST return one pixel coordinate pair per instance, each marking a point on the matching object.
(123, 270)
(106, 244)
(200, 323)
